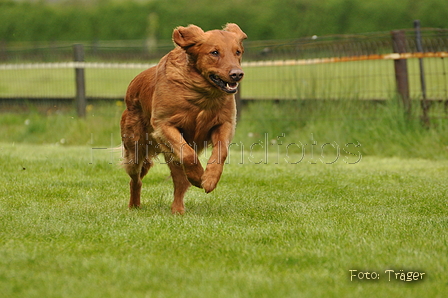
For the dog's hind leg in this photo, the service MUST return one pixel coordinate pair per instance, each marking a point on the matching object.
(181, 185)
(136, 183)
(137, 166)
(134, 171)
(136, 187)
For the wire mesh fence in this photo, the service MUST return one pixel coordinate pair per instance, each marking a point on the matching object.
(329, 67)
(346, 67)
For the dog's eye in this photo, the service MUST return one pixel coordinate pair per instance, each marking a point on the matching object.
(215, 53)
(238, 53)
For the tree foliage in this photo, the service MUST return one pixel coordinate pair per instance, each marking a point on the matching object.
(260, 19)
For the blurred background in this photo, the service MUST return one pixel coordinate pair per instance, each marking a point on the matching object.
(312, 67)
(95, 20)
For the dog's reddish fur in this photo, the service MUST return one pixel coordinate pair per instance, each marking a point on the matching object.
(182, 105)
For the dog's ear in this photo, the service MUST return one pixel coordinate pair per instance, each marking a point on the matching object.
(231, 27)
(187, 36)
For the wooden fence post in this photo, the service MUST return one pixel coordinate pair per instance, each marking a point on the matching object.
(401, 69)
(80, 98)
(424, 101)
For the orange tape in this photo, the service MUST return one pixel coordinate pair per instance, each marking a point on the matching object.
(391, 56)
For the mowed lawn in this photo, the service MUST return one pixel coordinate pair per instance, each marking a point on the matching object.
(268, 230)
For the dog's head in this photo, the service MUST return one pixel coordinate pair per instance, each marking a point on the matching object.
(216, 54)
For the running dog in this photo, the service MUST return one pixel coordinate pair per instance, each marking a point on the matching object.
(182, 105)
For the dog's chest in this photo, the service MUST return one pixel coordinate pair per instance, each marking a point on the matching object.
(207, 119)
(198, 128)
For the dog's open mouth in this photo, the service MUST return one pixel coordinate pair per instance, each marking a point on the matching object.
(225, 86)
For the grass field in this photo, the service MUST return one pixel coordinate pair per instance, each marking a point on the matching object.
(380, 129)
(313, 189)
(348, 80)
(268, 230)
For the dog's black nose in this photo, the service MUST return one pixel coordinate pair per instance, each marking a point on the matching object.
(236, 74)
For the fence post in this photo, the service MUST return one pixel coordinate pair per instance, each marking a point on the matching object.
(3, 52)
(401, 69)
(424, 102)
(80, 98)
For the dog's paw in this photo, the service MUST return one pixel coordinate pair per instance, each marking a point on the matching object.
(177, 210)
(209, 182)
(209, 186)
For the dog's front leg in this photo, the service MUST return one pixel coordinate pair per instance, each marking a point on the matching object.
(221, 137)
(183, 153)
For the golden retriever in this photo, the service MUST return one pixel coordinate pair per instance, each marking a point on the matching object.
(182, 105)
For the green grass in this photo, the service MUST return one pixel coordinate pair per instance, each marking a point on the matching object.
(347, 80)
(60, 125)
(268, 230)
(288, 218)
(372, 129)
(380, 129)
